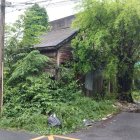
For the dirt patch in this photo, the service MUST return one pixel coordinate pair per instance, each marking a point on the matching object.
(127, 107)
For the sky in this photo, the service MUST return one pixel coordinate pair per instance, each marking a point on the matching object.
(55, 8)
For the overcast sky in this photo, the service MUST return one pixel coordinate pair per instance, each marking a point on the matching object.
(55, 8)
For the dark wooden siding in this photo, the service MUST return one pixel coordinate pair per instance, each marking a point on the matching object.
(51, 66)
(58, 57)
(64, 54)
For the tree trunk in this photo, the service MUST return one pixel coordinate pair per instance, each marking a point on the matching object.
(125, 82)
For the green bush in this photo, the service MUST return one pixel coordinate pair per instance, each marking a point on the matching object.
(71, 115)
(31, 64)
(30, 94)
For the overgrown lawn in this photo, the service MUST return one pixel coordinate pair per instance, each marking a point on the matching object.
(71, 115)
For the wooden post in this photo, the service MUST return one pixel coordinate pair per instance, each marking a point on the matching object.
(2, 23)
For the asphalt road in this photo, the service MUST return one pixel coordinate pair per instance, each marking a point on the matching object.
(124, 126)
(9, 135)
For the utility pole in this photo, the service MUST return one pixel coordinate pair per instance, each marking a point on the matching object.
(2, 24)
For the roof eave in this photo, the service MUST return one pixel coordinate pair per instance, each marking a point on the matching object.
(60, 44)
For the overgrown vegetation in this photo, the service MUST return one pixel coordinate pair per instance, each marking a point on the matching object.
(30, 94)
(71, 115)
(109, 30)
(108, 35)
(34, 22)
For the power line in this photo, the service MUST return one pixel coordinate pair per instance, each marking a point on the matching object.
(41, 2)
(44, 3)
(28, 4)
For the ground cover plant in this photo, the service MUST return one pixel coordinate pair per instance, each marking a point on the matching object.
(71, 114)
(30, 94)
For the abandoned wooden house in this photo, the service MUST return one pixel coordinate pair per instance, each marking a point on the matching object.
(56, 44)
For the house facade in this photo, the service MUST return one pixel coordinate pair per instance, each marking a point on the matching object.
(56, 44)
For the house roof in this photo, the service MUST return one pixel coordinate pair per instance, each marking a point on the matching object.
(60, 33)
(64, 22)
(56, 37)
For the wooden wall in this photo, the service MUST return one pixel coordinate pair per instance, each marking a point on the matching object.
(58, 56)
(51, 66)
(64, 54)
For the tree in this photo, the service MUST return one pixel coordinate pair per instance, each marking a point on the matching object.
(35, 22)
(13, 37)
(24, 33)
(109, 28)
(33, 64)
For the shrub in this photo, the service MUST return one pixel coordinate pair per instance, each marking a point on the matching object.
(30, 94)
